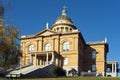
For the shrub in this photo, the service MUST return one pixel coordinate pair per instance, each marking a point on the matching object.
(58, 71)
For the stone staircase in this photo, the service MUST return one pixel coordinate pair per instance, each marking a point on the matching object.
(32, 72)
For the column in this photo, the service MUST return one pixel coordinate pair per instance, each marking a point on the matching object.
(60, 29)
(56, 61)
(47, 59)
(35, 59)
(30, 59)
(53, 57)
(24, 59)
(39, 62)
(115, 67)
(112, 67)
(64, 29)
(68, 29)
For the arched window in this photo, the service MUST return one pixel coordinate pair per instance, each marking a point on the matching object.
(94, 55)
(65, 46)
(66, 29)
(31, 48)
(47, 47)
(58, 29)
(70, 29)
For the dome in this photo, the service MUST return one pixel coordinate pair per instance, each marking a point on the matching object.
(64, 17)
(63, 23)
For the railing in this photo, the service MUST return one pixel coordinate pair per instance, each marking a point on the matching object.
(14, 75)
(21, 67)
(111, 74)
(88, 73)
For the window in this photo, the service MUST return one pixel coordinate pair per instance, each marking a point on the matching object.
(94, 55)
(93, 67)
(1, 58)
(31, 48)
(65, 61)
(66, 29)
(57, 29)
(70, 29)
(109, 70)
(47, 47)
(66, 46)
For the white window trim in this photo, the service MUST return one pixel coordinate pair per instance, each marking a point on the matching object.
(47, 47)
(65, 61)
(65, 46)
(31, 48)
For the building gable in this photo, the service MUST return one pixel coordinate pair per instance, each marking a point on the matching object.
(46, 32)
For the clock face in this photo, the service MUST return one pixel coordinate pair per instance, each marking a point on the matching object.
(31, 48)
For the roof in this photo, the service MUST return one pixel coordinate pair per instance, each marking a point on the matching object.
(39, 34)
(112, 62)
(97, 42)
(64, 19)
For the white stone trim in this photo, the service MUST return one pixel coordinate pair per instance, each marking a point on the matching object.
(67, 68)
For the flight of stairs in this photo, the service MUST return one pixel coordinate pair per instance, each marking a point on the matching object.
(32, 71)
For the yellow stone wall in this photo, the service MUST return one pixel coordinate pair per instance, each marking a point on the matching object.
(79, 54)
(100, 60)
(100, 57)
(56, 45)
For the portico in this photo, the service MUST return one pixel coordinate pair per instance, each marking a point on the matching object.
(44, 58)
(111, 69)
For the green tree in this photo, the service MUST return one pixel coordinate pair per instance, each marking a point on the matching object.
(9, 47)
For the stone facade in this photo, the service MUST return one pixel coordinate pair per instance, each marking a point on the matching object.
(64, 45)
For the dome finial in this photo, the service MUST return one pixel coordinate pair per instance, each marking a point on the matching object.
(64, 10)
(47, 25)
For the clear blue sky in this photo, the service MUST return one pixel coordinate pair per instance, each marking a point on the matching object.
(96, 19)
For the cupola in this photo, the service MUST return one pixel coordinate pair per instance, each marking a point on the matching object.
(63, 23)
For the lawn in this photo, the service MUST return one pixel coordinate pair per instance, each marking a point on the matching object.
(72, 78)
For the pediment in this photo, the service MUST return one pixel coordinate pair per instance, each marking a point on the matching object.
(46, 32)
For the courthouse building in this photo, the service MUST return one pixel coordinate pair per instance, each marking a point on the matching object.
(62, 44)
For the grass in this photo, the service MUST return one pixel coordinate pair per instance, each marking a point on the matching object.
(70, 78)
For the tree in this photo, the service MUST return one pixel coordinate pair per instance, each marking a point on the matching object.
(9, 48)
